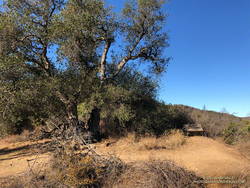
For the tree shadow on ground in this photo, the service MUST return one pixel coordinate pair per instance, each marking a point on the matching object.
(26, 150)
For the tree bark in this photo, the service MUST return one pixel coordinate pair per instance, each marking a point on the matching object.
(103, 61)
(93, 124)
(77, 131)
(72, 114)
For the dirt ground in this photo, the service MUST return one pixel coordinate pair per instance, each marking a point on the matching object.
(208, 158)
(20, 157)
(205, 156)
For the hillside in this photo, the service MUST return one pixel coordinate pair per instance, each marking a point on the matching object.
(212, 114)
(215, 123)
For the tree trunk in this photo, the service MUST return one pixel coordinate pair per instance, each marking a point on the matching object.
(72, 118)
(93, 124)
(76, 130)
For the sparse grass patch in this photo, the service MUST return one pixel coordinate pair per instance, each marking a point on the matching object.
(172, 140)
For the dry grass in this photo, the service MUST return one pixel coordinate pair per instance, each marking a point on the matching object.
(86, 168)
(173, 140)
(31, 180)
(205, 156)
(87, 173)
(156, 174)
(170, 141)
(17, 138)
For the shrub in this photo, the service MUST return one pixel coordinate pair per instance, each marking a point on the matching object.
(248, 129)
(150, 174)
(154, 174)
(161, 118)
(234, 133)
(86, 170)
(230, 134)
(3, 130)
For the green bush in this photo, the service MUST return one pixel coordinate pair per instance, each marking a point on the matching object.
(159, 119)
(235, 132)
(248, 129)
(231, 133)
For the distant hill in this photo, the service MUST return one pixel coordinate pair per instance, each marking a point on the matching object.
(246, 118)
(214, 123)
(212, 113)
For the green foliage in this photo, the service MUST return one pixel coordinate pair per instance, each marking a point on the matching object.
(231, 133)
(57, 60)
(160, 118)
(130, 107)
(123, 114)
(235, 132)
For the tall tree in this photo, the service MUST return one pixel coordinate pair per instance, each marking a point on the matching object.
(79, 46)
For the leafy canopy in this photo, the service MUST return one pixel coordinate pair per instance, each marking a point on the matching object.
(69, 51)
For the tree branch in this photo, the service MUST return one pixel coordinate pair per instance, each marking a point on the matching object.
(103, 60)
(129, 57)
(47, 63)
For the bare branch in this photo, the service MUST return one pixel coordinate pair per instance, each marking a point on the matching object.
(128, 58)
(103, 60)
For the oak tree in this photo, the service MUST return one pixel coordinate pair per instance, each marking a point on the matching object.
(77, 47)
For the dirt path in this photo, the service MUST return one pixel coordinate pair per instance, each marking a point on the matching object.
(206, 157)
(18, 158)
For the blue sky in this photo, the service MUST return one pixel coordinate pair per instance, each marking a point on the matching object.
(210, 47)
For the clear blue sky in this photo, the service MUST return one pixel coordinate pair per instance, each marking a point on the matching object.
(210, 47)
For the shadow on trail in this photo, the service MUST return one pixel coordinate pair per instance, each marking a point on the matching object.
(26, 150)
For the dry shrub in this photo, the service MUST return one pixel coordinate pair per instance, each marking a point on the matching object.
(9, 182)
(14, 184)
(172, 140)
(86, 169)
(156, 174)
(32, 179)
(129, 139)
(108, 172)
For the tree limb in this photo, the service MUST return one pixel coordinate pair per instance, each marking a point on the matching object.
(129, 57)
(103, 60)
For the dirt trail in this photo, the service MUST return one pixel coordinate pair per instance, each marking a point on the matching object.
(206, 157)
(18, 158)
